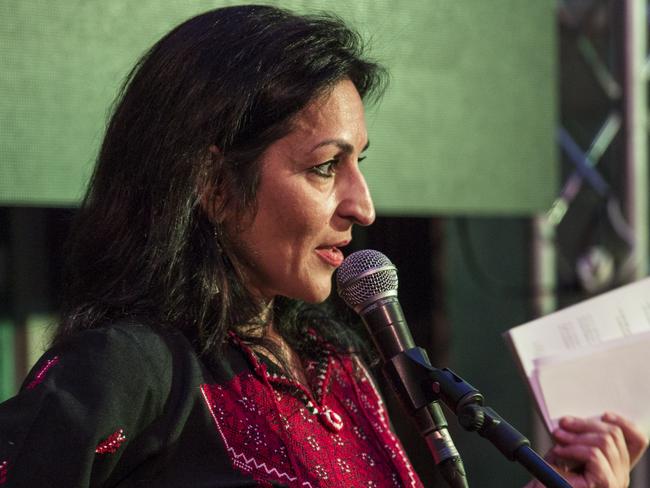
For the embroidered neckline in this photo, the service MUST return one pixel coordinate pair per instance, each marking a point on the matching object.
(314, 403)
(271, 436)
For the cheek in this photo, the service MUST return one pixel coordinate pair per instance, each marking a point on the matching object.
(299, 216)
(296, 227)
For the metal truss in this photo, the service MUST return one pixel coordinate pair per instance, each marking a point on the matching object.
(597, 228)
(606, 41)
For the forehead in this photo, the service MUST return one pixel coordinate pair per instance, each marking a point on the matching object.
(338, 114)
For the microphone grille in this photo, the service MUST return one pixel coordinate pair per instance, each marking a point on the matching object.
(366, 276)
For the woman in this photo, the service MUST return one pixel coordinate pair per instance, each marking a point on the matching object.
(226, 186)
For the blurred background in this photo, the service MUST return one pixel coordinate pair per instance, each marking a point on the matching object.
(508, 165)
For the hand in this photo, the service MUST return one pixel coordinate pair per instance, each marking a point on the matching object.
(636, 441)
(596, 453)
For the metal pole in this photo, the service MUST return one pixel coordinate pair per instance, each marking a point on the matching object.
(636, 152)
(635, 130)
(543, 279)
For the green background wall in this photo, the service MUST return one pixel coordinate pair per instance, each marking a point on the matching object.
(467, 125)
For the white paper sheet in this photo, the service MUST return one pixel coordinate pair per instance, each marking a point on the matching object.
(591, 357)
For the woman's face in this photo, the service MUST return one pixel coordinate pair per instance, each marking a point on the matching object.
(310, 193)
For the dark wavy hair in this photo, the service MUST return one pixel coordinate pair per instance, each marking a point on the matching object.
(143, 248)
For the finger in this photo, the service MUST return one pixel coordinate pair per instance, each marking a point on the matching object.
(597, 449)
(607, 436)
(578, 425)
(597, 470)
(635, 439)
(614, 453)
(591, 437)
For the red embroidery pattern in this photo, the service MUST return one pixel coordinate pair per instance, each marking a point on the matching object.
(40, 376)
(112, 444)
(271, 436)
(383, 415)
(3, 472)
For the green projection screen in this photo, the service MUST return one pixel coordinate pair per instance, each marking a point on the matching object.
(466, 125)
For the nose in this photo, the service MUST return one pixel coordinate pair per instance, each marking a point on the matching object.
(356, 203)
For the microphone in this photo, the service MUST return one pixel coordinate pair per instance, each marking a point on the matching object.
(367, 282)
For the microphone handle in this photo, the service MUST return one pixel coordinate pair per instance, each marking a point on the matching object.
(431, 420)
(385, 322)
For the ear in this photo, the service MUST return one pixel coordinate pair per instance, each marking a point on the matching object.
(210, 189)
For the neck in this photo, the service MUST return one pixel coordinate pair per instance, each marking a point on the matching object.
(272, 344)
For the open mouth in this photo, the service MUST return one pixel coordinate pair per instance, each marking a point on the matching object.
(332, 255)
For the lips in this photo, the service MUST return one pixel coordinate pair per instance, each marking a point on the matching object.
(332, 255)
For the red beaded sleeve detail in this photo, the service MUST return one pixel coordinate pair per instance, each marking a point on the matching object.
(112, 443)
(3, 472)
(40, 376)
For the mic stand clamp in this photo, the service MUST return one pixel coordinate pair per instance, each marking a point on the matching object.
(433, 384)
(428, 416)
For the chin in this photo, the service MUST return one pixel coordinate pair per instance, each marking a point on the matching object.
(315, 295)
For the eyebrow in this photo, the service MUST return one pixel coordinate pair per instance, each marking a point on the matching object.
(341, 144)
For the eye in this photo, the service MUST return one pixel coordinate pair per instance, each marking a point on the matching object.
(326, 169)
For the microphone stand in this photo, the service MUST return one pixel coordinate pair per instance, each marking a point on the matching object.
(420, 384)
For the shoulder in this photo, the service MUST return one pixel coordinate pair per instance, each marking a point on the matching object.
(115, 395)
(116, 338)
(125, 358)
(114, 347)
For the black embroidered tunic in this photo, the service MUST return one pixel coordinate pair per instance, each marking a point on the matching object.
(128, 406)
